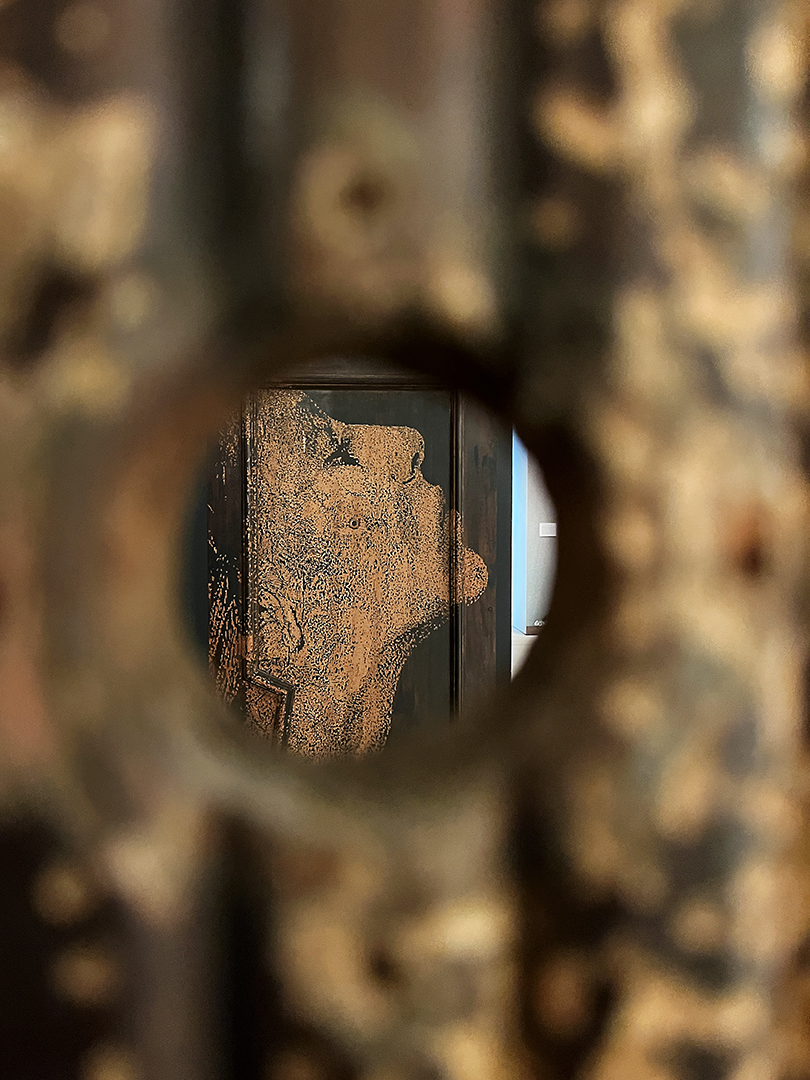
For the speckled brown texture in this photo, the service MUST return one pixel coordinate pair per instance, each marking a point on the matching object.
(350, 553)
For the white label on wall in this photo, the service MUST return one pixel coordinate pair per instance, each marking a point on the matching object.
(548, 528)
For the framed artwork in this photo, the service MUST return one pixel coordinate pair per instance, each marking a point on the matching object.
(359, 574)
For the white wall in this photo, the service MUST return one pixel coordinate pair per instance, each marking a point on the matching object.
(534, 550)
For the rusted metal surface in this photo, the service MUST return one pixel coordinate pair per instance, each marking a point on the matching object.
(604, 873)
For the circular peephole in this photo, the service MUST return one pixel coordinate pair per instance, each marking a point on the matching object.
(368, 555)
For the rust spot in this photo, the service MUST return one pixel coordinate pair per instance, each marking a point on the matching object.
(365, 196)
(384, 969)
(748, 545)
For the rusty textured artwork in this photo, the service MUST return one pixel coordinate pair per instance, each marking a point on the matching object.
(604, 872)
(353, 558)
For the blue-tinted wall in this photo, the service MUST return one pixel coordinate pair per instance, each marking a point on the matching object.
(534, 541)
(520, 472)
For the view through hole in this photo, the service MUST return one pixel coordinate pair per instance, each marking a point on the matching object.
(534, 552)
(367, 555)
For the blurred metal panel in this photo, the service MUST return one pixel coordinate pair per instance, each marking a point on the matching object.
(591, 215)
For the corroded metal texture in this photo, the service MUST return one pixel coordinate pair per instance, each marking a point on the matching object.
(605, 872)
(686, 809)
